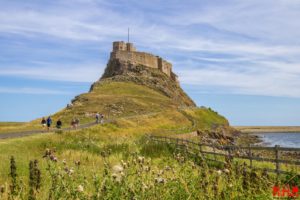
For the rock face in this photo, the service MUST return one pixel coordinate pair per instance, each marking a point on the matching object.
(143, 72)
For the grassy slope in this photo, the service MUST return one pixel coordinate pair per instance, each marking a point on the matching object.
(114, 100)
(119, 100)
(129, 104)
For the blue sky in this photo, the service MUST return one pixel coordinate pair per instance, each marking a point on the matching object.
(242, 58)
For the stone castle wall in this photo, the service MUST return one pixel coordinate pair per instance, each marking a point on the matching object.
(136, 58)
(127, 52)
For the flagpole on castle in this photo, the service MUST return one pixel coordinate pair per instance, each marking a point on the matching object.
(128, 35)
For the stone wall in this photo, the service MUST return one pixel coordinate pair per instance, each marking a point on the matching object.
(164, 66)
(136, 58)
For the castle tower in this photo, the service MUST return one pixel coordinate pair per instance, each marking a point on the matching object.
(122, 46)
(130, 47)
(119, 46)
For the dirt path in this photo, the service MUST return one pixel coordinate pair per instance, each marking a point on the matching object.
(34, 132)
(83, 126)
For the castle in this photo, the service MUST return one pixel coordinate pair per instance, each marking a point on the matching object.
(128, 53)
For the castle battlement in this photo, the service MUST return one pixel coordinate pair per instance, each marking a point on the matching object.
(128, 53)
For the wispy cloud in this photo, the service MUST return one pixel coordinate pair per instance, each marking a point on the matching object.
(28, 90)
(243, 47)
(85, 72)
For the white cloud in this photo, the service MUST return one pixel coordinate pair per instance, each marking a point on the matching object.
(267, 62)
(272, 83)
(85, 72)
(30, 90)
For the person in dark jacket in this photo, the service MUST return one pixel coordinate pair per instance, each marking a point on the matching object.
(43, 122)
(49, 122)
(58, 124)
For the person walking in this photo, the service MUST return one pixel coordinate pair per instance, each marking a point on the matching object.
(76, 123)
(101, 118)
(58, 124)
(73, 123)
(44, 123)
(49, 122)
(97, 118)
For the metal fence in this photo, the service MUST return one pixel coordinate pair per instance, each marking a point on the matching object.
(251, 153)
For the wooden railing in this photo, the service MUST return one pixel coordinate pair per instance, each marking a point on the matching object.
(250, 153)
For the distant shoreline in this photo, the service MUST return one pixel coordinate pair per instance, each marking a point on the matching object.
(268, 129)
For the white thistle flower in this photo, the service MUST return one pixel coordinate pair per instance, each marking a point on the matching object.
(80, 188)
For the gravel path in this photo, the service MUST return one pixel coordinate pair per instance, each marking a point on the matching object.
(35, 132)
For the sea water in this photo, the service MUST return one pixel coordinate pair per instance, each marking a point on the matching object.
(282, 139)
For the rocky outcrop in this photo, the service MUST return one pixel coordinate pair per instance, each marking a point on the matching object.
(117, 70)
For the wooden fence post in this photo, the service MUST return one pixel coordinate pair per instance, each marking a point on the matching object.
(277, 159)
(250, 156)
(200, 150)
(229, 154)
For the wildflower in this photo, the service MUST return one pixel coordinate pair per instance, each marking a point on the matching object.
(148, 161)
(122, 174)
(80, 188)
(117, 177)
(167, 168)
(114, 175)
(77, 162)
(160, 172)
(159, 180)
(219, 172)
(71, 171)
(192, 164)
(66, 169)
(146, 168)
(117, 168)
(47, 153)
(141, 159)
(144, 186)
(64, 161)
(230, 185)
(226, 171)
(134, 161)
(53, 158)
(124, 164)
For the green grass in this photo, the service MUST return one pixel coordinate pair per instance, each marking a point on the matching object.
(124, 140)
(137, 110)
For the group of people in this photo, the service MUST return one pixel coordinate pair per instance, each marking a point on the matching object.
(47, 123)
(75, 123)
(99, 118)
